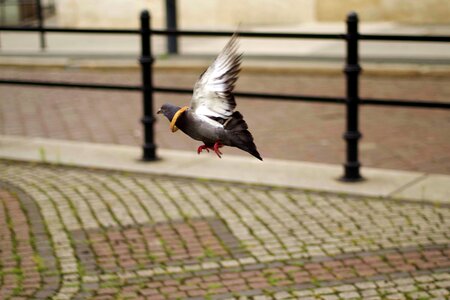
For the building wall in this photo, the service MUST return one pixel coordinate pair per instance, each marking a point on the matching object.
(226, 13)
(405, 11)
(332, 10)
(217, 13)
(418, 11)
(191, 13)
(107, 13)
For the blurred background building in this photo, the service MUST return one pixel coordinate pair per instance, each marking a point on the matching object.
(219, 13)
(24, 12)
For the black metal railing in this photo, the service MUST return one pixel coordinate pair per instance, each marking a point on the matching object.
(146, 60)
(352, 71)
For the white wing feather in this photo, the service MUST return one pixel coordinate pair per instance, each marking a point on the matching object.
(213, 91)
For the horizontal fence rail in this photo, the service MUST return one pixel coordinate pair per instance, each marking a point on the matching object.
(405, 103)
(352, 100)
(69, 30)
(283, 35)
(404, 38)
(72, 85)
(263, 96)
(260, 96)
(249, 34)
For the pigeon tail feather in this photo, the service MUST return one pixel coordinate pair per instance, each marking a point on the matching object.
(241, 137)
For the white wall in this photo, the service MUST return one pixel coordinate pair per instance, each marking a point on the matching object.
(230, 13)
(107, 13)
(418, 11)
(191, 13)
(404, 11)
(220, 13)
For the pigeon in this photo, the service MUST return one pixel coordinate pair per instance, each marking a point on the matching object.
(211, 117)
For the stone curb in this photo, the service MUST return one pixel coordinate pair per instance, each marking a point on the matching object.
(412, 186)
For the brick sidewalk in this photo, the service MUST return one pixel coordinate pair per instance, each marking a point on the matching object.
(74, 233)
(393, 138)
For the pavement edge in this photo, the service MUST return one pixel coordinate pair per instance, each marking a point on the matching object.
(414, 186)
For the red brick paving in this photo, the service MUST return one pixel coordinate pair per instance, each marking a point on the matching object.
(395, 138)
(291, 273)
(334, 270)
(18, 267)
(145, 246)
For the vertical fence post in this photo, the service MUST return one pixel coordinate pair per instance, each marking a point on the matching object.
(40, 19)
(146, 60)
(352, 71)
(171, 24)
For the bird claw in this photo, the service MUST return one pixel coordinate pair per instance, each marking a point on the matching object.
(201, 148)
(217, 145)
(215, 148)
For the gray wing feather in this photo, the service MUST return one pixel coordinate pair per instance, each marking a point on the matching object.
(212, 95)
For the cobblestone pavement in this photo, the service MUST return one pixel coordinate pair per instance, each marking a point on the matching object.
(394, 138)
(73, 233)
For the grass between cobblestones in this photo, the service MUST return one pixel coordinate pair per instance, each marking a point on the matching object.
(74, 233)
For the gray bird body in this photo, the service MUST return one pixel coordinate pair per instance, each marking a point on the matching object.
(211, 117)
(202, 131)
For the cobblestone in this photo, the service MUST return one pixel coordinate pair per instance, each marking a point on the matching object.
(72, 233)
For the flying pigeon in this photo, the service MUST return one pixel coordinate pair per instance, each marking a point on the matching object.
(211, 118)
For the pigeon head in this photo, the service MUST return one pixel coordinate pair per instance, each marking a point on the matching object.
(168, 110)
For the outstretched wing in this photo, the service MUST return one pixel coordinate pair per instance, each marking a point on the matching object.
(213, 92)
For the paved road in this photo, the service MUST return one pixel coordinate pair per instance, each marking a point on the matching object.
(395, 138)
(73, 233)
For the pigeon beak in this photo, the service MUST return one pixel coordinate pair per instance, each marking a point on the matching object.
(159, 111)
